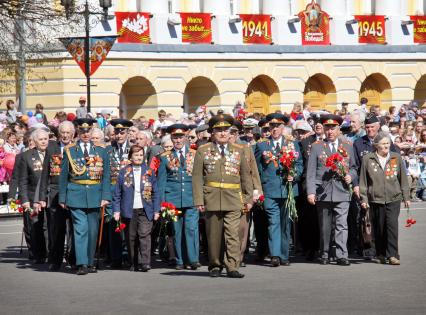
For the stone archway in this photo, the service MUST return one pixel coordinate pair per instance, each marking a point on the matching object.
(420, 91)
(262, 95)
(200, 91)
(320, 92)
(377, 89)
(137, 95)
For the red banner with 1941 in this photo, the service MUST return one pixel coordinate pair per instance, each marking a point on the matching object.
(256, 29)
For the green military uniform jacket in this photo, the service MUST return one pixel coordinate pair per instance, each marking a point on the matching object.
(254, 172)
(221, 183)
(383, 186)
(88, 189)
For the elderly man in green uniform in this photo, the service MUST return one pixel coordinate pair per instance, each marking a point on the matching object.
(222, 186)
(84, 187)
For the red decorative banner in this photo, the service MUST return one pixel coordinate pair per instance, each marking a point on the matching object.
(315, 25)
(419, 29)
(256, 29)
(133, 27)
(99, 48)
(196, 28)
(371, 29)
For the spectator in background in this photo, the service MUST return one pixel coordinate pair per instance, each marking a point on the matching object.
(413, 173)
(81, 112)
(97, 137)
(11, 144)
(11, 113)
(297, 111)
(39, 111)
(357, 124)
(363, 104)
(307, 110)
(393, 130)
(402, 113)
(161, 121)
(133, 131)
(392, 113)
(100, 119)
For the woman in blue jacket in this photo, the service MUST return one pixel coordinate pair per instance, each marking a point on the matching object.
(137, 202)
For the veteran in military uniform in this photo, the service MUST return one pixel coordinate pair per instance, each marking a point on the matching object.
(84, 187)
(49, 188)
(257, 187)
(175, 185)
(222, 187)
(330, 192)
(275, 181)
(118, 153)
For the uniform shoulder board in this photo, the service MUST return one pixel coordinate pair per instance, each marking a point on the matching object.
(165, 153)
(205, 145)
(70, 145)
(101, 145)
(239, 146)
(344, 141)
(262, 140)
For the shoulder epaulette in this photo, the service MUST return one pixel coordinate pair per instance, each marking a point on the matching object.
(262, 140)
(100, 145)
(240, 146)
(165, 153)
(204, 145)
(70, 145)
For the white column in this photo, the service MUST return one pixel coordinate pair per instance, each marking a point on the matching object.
(132, 6)
(420, 7)
(157, 6)
(218, 7)
(366, 7)
(333, 7)
(388, 7)
(274, 7)
(186, 5)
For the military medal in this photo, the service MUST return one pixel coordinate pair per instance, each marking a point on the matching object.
(55, 165)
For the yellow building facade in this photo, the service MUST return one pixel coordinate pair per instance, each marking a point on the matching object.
(140, 79)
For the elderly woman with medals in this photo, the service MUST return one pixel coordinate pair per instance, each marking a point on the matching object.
(383, 185)
(136, 202)
(84, 188)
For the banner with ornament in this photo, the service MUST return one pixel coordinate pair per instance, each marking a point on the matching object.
(133, 27)
(256, 28)
(196, 28)
(99, 48)
(371, 29)
(315, 25)
(419, 29)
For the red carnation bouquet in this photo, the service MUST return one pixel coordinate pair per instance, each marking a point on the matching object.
(119, 227)
(288, 159)
(410, 221)
(338, 164)
(168, 212)
(260, 200)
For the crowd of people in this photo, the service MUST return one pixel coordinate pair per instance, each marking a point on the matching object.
(96, 187)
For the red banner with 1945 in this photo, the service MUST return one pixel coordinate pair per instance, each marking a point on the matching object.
(371, 29)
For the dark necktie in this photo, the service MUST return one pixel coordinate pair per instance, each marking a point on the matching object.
(277, 147)
(181, 158)
(120, 151)
(85, 152)
(222, 150)
(333, 148)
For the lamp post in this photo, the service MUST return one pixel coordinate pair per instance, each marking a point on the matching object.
(105, 5)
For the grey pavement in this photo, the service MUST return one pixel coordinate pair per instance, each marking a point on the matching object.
(302, 288)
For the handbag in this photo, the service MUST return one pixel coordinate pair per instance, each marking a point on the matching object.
(367, 227)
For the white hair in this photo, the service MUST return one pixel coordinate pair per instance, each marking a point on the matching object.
(66, 125)
(165, 139)
(98, 131)
(147, 133)
(37, 133)
(360, 114)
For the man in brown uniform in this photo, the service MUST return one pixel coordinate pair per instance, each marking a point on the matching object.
(222, 186)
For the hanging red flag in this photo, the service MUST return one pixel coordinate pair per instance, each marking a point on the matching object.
(196, 28)
(315, 25)
(371, 29)
(133, 27)
(419, 29)
(256, 28)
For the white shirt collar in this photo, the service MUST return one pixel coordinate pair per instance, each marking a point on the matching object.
(177, 150)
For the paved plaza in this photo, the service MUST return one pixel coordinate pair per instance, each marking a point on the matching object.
(302, 288)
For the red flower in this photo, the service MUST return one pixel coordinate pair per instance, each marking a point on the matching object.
(117, 230)
(155, 164)
(122, 226)
(262, 198)
(193, 146)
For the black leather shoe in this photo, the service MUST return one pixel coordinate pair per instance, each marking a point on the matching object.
(214, 273)
(324, 261)
(195, 266)
(243, 264)
(92, 269)
(343, 262)
(235, 274)
(145, 268)
(54, 267)
(82, 270)
(275, 261)
(285, 263)
(180, 267)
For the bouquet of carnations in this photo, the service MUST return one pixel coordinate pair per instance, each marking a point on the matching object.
(119, 227)
(288, 161)
(16, 205)
(168, 212)
(410, 221)
(338, 164)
